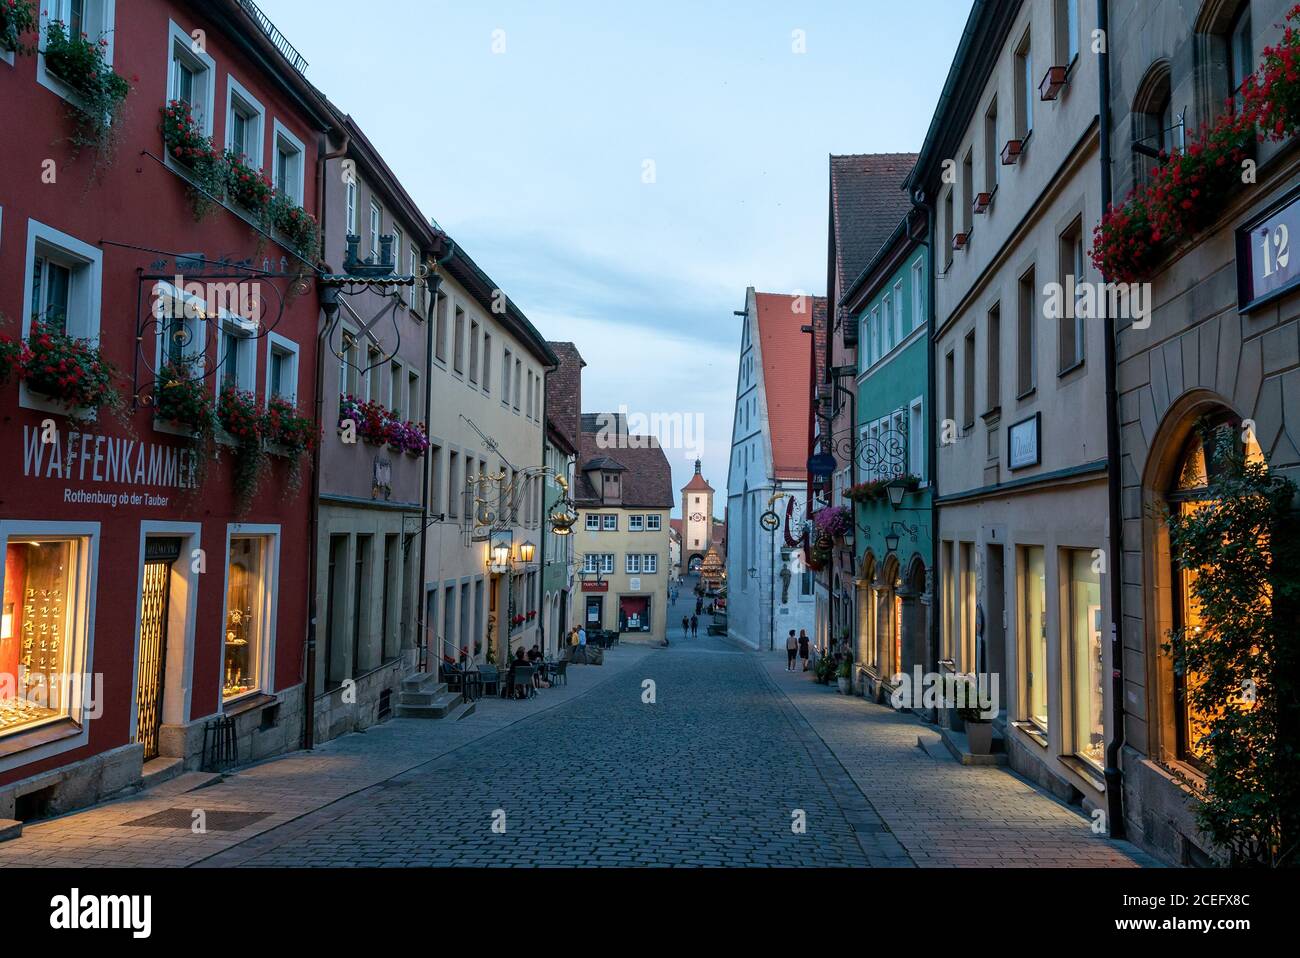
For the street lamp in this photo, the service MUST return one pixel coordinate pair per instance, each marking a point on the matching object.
(896, 491)
(526, 552)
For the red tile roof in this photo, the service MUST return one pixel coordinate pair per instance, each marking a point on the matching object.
(784, 348)
(647, 480)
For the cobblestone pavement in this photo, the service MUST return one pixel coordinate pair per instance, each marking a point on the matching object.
(731, 753)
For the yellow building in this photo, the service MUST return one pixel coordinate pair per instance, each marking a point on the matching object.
(623, 495)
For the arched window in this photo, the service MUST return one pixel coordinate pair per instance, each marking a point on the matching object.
(1157, 128)
(1226, 48)
(1188, 493)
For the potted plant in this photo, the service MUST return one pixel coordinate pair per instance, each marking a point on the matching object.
(844, 673)
(966, 700)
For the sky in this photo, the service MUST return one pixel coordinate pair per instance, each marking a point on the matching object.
(625, 170)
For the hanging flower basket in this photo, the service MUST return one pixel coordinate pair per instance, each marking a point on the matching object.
(868, 491)
(832, 522)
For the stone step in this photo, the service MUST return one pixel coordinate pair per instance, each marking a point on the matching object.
(10, 828)
(933, 746)
(426, 696)
(188, 782)
(438, 708)
(959, 746)
(419, 681)
(461, 711)
(161, 769)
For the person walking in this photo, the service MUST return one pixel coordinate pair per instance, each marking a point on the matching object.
(695, 626)
(791, 650)
(803, 648)
(686, 627)
(582, 635)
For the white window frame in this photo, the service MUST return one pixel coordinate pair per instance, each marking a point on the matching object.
(635, 523)
(632, 564)
(89, 262)
(351, 196)
(269, 611)
(607, 563)
(915, 442)
(416, 295)
(82, 661)
(297, 182)
(397, 248)
(650, 563)
(899, 333)
(654, 523)
(285, 346)
(180, 42)
(591, 562)
(396, 384)
(107, 15)
(237, 95)
(375, 227)
(609, 522)
(593, 522)
(246, 364)
(918, 294)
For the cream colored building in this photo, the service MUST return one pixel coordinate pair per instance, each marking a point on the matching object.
(1010, 171)
(487, 385)
(623, 494)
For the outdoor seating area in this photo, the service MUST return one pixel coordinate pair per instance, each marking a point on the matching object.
(520, 682)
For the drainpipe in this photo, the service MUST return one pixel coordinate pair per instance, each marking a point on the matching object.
(1112, 775)
(426, 518)
(322, 338)
(541, 526)
(920, 202)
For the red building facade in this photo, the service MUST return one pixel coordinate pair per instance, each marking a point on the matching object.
(154, 591)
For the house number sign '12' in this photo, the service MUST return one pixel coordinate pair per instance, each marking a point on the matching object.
(1267, 265)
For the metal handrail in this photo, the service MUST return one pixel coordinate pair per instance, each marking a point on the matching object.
(273, 34)
(463, 651)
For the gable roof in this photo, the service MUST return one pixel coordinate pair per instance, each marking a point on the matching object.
(781, 341)
(647, 480)
(867, 201)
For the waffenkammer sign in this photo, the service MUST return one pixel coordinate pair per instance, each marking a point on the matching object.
(129, 466)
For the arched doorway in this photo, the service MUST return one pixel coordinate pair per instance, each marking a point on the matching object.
(914, 616)
(865, 651)
(1179, 470)
(890, 628)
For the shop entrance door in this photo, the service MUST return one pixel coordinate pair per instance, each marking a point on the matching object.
(159, 554)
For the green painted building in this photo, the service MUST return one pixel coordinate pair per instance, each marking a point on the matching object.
(891, 496)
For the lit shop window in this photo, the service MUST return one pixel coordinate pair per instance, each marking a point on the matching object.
(40, 632)
(1084, 630)
(247, 602)
(1033, 607)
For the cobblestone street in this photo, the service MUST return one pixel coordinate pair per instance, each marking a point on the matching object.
(714, 772)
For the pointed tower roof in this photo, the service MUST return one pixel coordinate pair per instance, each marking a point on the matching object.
(698, 482)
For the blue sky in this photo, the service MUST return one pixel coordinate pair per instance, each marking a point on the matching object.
(534, 157)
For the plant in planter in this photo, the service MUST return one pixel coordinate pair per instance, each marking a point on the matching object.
(187, 145)
(291, 435)
(17, 20)
(80, 63)
(965, 698)
(833, 522)
(183, 399)
(241, 416)
(297, 225)
(371, 419)
(68, 370)
(1240, 552)
(1273, 93)
(868, 491)
(10, 351)
(844, 674)
(248, 187)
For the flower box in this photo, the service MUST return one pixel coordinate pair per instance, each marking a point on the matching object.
(959, 240)
(1050, 86)
(1011, 152)
(17, 17)
(67, 370)
(981, 202)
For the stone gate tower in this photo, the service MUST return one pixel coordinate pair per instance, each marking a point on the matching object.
(697, 521)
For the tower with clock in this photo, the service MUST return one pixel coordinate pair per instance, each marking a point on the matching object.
(697, 521)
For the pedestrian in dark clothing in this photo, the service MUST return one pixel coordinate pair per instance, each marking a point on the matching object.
(686, 627)
(695, 626)
(791, 650)
(803, 647)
